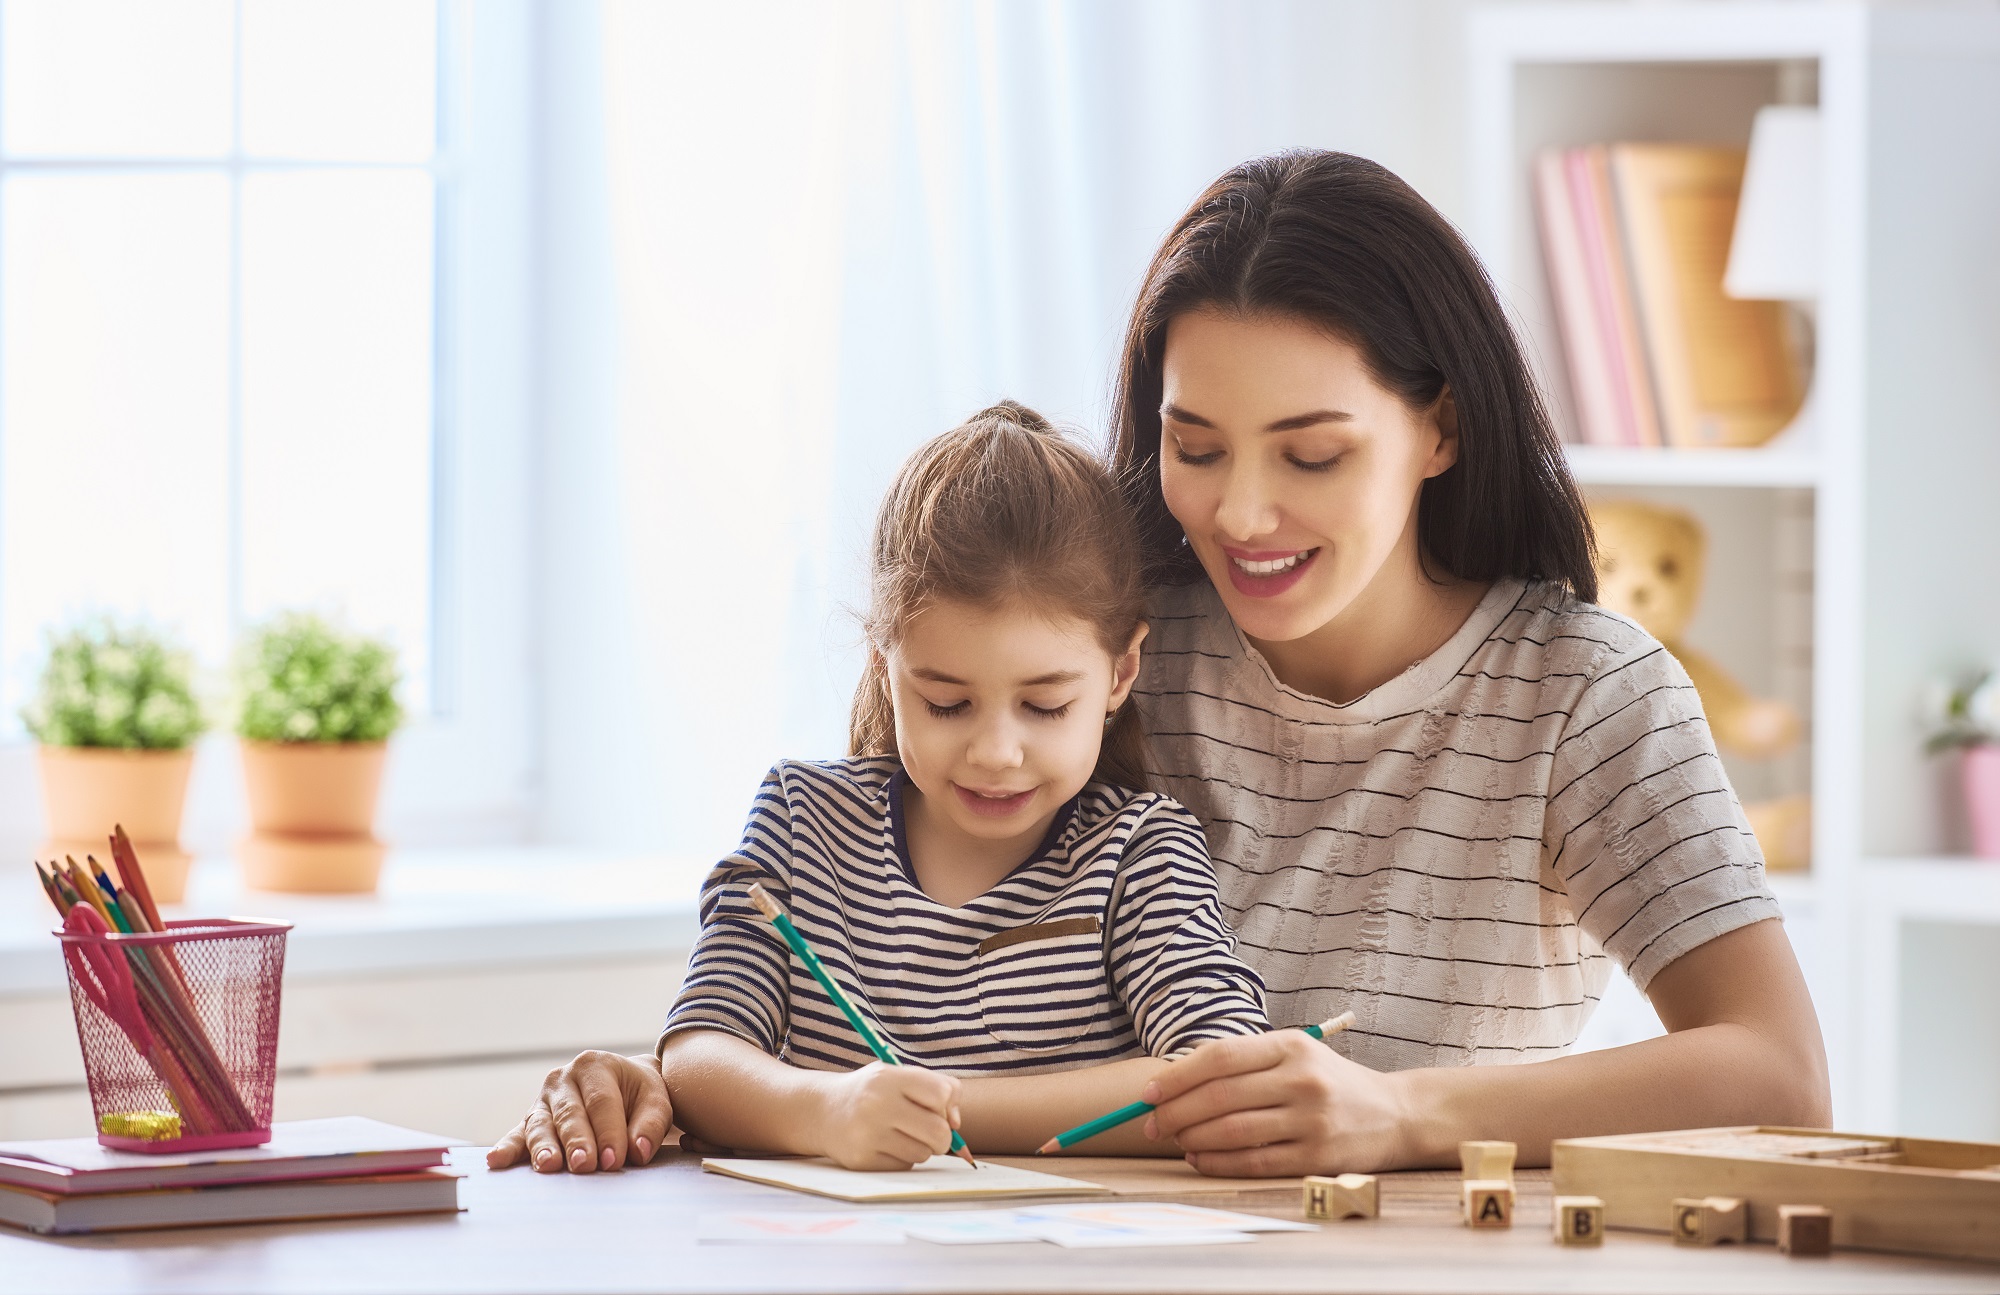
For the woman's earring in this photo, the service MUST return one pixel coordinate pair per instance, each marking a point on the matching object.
(1109, 716)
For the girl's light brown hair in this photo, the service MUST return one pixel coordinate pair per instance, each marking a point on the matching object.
(1004, 510)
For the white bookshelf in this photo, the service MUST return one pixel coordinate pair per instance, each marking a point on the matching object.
(1904, 418)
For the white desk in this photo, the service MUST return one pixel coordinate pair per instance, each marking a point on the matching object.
(438, 1003)
(526, 1232)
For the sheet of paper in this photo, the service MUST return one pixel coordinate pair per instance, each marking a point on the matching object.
(1149, 1216)
(939, 1178)
(799, 1229)
(966, 1227)
(1077, 1236)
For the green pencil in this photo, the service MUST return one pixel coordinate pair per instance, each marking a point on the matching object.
(1136, 1109)
(775, 913)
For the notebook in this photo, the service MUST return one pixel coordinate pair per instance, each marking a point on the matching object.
(348, 1145)
(427, 1191)
(937, 1179)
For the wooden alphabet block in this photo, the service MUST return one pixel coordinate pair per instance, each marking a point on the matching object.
(1486, 1161)
(1805, 1229)
(1579, 1220)
(1350, 1196)
(1709, 1221)
(1488, 1203)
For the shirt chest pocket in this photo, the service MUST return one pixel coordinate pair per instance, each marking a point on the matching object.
(1043, 987)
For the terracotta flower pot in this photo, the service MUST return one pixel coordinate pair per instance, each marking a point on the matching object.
(312, 816)
(87, 791)
(313, 788)
(1981, 771)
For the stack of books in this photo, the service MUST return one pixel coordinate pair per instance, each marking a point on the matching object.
(1636, 238)
(310, 1169)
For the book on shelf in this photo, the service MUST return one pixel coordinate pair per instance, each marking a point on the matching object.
(1635, 239)
(309, 1169)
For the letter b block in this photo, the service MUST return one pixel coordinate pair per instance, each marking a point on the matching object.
(1489, 1203)
(1350, 1196)
(1579, 1220)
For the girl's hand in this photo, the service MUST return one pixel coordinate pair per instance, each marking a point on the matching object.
(600, 1111)
(887, 1117)
(1279, 1105)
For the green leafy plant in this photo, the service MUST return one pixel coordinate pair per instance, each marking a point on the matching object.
(1963, 714)
(300, 679)
(109, 683)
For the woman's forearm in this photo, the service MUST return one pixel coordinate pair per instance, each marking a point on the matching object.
(1016, 1114)
(731, 1093)
(1745, 1049)
(1699, 1078)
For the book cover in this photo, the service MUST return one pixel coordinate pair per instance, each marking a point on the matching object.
(1723, 369)
(297, 1149)
(426, 1191)
(1598, 419)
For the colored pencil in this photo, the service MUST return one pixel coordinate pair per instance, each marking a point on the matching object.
(776, 915)
(1124, 1114)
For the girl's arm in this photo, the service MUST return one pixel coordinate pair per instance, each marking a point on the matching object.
(1013, 1115)
(730, 1092)
(1744, 1049)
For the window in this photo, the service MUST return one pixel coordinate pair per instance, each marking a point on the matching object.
(219, 330)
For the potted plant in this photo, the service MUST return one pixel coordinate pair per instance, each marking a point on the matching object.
(1967, 719)
(316, 707)
(116, 717)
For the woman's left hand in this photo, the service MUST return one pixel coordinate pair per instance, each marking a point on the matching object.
(1279, 1105)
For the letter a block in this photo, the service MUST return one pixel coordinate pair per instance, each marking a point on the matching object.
(1579, 1220)
(1805, 1229)
(1350, 1196)
(1489, 1203)
(1486, 1161)
(1709, 1221)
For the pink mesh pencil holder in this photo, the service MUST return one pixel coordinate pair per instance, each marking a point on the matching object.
(179, 1031)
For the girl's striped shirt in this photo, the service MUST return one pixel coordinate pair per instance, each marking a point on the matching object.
(1018, 980)
(1459, 855)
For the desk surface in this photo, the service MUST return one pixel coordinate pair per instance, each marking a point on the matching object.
(524, 1232)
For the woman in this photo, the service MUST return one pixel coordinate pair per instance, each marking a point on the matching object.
(1442, 789)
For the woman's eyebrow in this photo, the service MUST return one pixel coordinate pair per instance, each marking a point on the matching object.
(1053, 677)
(1292, 424)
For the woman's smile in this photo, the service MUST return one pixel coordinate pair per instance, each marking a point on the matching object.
(1267, 573)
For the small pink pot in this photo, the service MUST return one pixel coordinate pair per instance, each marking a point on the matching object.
(1981, 770)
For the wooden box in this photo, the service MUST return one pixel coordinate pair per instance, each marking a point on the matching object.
(1909, 1195)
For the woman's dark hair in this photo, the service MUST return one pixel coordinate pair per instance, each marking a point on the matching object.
(1342, 243)
(1004, 510)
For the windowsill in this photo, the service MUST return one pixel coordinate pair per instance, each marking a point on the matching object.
(436, 908)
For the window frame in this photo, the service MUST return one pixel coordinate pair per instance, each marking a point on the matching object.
(462, 771)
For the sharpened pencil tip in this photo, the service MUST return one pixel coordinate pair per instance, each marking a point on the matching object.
(1049, 1148)
(965, 1154)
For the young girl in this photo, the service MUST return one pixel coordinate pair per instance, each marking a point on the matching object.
(987, 877)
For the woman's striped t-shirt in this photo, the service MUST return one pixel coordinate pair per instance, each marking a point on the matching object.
(1021, 979)
(1458, 855)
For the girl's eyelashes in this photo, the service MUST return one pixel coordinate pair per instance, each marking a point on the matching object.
(1312, 465)
(1048, 712)
(945, 712)
(959, 708)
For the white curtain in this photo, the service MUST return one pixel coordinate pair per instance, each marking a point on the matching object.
(784, 241)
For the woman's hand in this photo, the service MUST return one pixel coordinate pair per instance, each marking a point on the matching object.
(598, 1112)
(1278, 1105)
(887, 1117)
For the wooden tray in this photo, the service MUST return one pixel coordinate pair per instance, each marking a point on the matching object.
(1907, 1195)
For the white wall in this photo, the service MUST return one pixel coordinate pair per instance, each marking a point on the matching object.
(783, 242)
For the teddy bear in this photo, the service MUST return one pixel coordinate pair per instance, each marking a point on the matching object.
(1650, 564)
